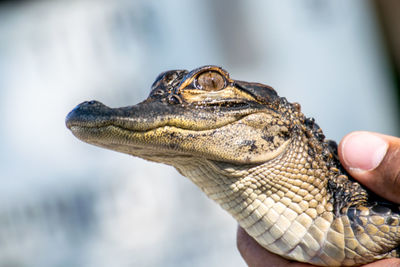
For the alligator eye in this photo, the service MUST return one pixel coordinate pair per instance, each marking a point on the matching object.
(210, 81)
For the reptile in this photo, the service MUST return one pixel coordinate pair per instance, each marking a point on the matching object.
(256, 155)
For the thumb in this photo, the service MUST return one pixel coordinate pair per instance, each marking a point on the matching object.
(374, 160)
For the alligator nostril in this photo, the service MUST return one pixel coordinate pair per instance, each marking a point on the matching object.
(91, 102)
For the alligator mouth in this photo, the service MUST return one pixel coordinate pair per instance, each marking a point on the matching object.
(90, 132)
(145, 117)
(151, 129)
(75, 125)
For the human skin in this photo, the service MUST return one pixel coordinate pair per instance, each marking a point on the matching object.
(371, 158)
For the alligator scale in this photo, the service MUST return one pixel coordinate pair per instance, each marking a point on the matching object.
(258, 157)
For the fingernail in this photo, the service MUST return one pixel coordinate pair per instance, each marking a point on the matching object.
(363, 151)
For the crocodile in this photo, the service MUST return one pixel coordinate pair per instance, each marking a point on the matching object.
(256, 155)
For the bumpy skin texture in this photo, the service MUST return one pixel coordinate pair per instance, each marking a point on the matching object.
(256, 155)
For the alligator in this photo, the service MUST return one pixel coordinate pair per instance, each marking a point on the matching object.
(256, 155)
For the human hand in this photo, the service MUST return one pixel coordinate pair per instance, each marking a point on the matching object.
(371, 158)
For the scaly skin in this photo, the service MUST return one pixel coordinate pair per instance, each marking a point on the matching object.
(257, 156)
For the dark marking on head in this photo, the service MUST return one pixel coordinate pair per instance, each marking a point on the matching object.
(261, 92)
(248, 142)
(268, 138)
(173, 146)
(252, 147)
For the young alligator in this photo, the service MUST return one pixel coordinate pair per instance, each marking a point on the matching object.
(256, 155)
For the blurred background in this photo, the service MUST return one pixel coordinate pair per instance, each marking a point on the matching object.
(66, 203)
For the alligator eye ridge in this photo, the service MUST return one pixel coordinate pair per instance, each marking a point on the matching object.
(210, 81)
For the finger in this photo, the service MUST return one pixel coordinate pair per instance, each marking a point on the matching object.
(256, 256)
(374, 160)
(385, 263)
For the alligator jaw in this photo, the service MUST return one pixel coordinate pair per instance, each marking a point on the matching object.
(151, 127)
